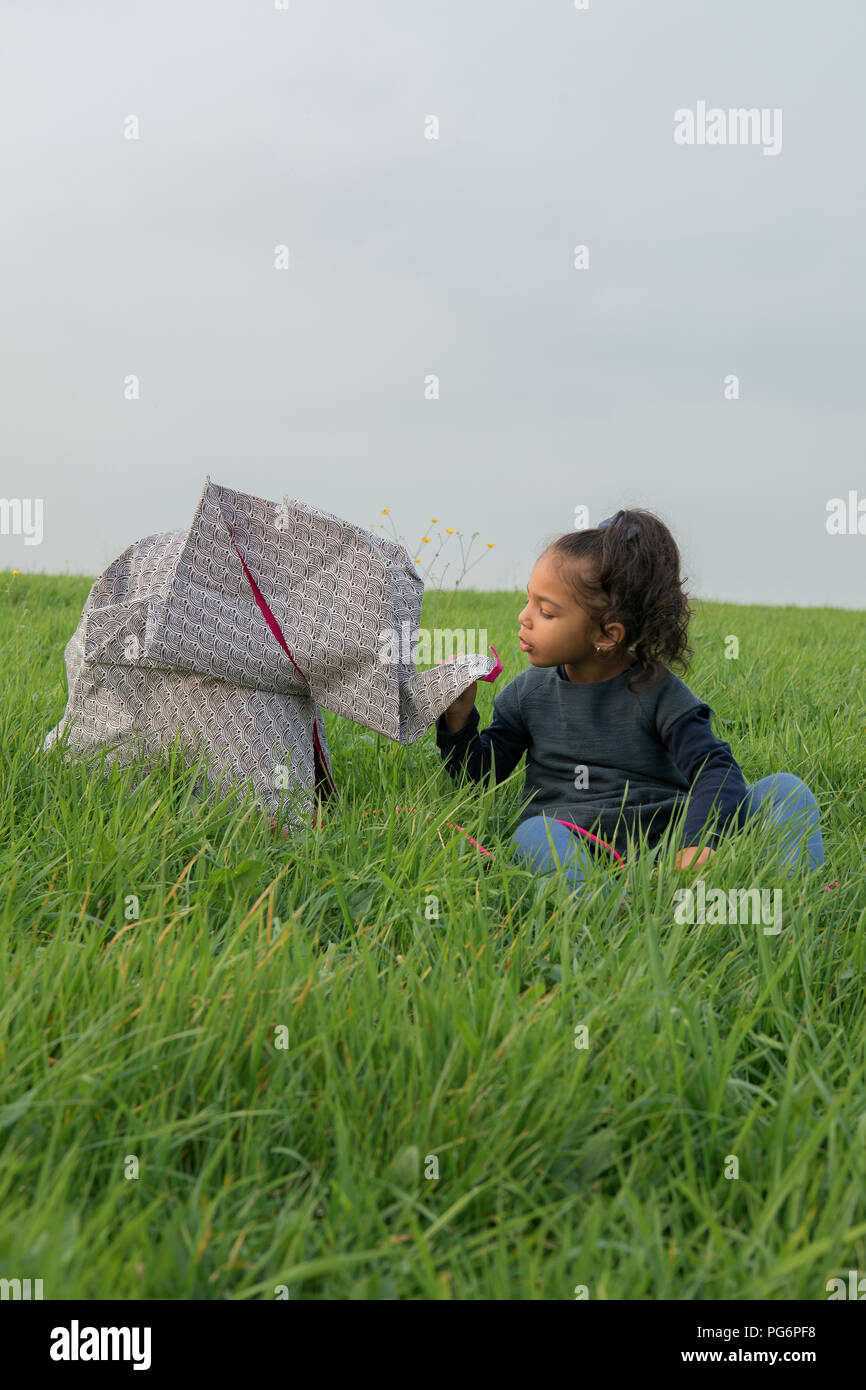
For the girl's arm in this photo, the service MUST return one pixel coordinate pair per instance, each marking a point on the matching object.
(500, 745)
(716, 781)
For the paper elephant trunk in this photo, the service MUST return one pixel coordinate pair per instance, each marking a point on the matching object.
(230, 636)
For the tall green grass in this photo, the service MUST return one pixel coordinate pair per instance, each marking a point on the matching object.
(304, 1168)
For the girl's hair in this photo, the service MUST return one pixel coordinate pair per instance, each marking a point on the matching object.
(633, 577)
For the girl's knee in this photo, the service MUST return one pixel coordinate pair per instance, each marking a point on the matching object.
(797, 795)
(533, 836)
(785, 800)
(785, 789)
(528, 833)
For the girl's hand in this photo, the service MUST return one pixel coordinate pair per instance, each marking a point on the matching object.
(457, 714)
(686, 856)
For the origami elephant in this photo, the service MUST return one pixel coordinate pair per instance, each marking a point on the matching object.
(232, 634)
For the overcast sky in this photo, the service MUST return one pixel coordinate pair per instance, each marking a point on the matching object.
(409, 257)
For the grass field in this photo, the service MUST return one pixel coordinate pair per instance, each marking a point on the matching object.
(283, 1042)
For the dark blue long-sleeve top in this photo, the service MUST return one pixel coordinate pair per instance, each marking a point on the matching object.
(605, 757)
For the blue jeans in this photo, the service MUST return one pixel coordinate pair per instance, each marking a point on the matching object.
(783, 798)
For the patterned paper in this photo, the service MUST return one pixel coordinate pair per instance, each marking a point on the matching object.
(233, 634)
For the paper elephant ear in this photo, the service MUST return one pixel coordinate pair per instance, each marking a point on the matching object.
(231, 634)
(295, 582)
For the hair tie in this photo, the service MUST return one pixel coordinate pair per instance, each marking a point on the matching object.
(613, 520)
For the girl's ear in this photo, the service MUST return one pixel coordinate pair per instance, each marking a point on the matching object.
(615, 633)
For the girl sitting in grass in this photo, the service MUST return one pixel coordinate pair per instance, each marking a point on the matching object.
(614, 741)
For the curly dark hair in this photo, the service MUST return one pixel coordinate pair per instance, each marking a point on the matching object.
(632, 576)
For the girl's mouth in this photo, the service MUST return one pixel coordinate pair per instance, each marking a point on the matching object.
(524, 646)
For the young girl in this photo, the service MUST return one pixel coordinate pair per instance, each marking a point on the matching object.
(614, 741)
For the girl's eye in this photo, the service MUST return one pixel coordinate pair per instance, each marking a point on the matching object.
(541, 610)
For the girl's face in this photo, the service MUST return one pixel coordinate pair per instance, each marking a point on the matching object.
(554, 628)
